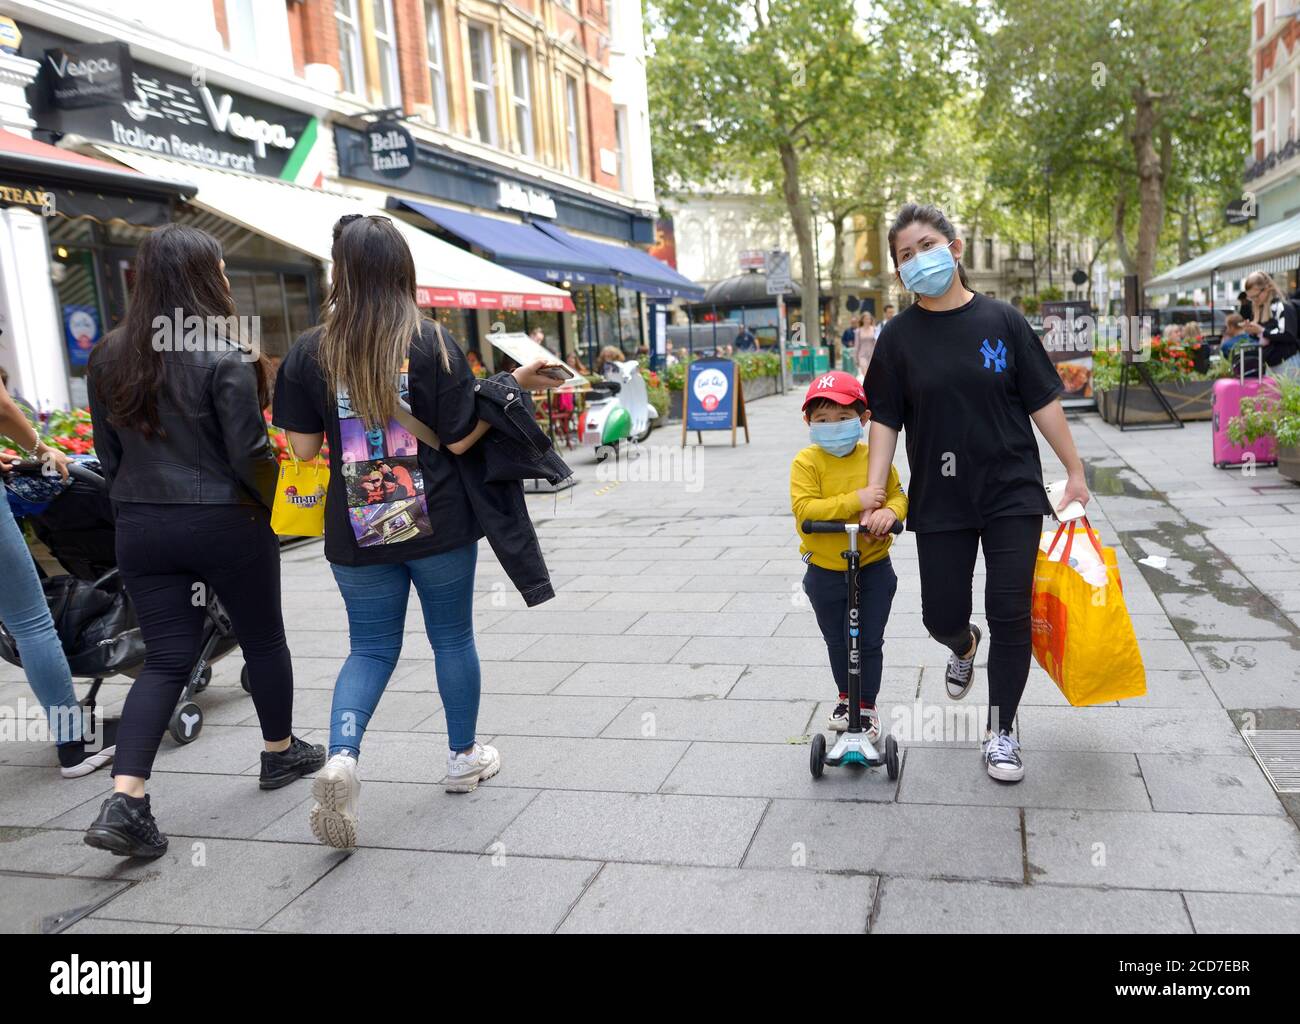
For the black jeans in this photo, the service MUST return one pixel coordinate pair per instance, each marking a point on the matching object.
(947, 568)
(164, 553)
(827, 592)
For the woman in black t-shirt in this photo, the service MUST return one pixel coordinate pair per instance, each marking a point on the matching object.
(967, 379)
(1273, 323)
(392, 518)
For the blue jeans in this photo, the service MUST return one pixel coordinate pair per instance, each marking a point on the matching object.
(26, 615)
(376, 597)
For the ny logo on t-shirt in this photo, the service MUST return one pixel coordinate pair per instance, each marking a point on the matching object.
(995, 359)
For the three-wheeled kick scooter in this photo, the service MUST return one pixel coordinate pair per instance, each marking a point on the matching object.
(853, 747)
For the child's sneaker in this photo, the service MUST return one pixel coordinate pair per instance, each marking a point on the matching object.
(1002, 757)
(839, 720)
(336, 789)
(466, 771)
(871, 722)
(961, 671)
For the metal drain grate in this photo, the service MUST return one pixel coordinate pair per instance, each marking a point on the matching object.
(1278, 753)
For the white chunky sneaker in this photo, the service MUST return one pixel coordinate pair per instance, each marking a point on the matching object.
(1002, 758)
(466, 771)
(961, 671)
(839, 720)
(336, 789)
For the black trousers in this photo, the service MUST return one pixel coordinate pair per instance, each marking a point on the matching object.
(171, 558)
(828, 594)
(947, 568)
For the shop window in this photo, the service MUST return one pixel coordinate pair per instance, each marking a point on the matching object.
(437, 62)
(571, 125)
(522, 97)
(481, 81)
(386, 45)
(351, 66)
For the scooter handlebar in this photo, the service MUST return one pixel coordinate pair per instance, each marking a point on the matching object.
(836, 526)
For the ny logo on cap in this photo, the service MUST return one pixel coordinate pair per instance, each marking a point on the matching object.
(826, 382)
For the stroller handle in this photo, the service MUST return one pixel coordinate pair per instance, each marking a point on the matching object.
(835, 526)
(34, 468)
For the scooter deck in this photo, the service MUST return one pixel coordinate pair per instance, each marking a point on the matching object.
(854, 748)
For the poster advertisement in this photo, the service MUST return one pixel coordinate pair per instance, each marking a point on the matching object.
(81, 331)
(1067, 335)
(710, 394)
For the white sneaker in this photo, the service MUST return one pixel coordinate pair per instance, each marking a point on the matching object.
(839, 720)
(466, 771)
(336, 789)
(1002, 757)
(871, 722)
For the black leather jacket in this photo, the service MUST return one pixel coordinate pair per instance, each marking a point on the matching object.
(516, 449)
(214, 448)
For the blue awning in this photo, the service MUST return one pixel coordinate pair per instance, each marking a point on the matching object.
(517, 246)
(636, 269)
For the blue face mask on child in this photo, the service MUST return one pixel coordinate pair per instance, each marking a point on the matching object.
(838, 438)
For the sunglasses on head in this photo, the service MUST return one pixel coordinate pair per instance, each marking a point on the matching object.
(349, 218)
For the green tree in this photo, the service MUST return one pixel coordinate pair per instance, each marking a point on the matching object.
(1128, 106)
(763, 91)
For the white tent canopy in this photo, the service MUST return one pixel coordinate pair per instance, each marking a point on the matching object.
(301, 218)
(1273, 249)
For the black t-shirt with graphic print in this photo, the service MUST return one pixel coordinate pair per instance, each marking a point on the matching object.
(961, 384)
(390, 498)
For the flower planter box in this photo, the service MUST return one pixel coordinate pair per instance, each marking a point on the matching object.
(1288, 463)
(1190, 399)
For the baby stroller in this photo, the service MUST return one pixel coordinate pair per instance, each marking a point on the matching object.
(92, 612)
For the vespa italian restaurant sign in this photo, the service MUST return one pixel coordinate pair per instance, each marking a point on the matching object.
(87, 74)
(161, 112)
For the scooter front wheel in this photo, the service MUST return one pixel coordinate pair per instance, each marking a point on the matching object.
(891, 757)
(817, 755)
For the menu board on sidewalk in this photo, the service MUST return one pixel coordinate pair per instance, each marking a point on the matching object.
(714, 399)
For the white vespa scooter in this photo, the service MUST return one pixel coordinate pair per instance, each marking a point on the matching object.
(618, 411)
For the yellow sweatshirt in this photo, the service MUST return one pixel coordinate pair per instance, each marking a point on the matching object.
(824, 486)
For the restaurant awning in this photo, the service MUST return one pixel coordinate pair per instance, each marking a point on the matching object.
(1272, 249)
(82, 186)
(636, 269)
(301, 218)
(517, 246)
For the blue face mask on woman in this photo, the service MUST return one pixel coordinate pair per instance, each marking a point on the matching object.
(929, 273)
(838, 438)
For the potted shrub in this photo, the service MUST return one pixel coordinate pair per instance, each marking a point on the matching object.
(1278, 417)
(1173, 368)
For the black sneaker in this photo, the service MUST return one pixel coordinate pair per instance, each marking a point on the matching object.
(82, 758)
(296, 760)
(125, 826)
(961, 671)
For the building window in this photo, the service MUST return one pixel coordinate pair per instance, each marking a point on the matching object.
(620, 146)
(351, 67)
(521, 97)
(386, 45)
(437, 76)
(968, 253)
(571, 125)
(988, 254)
(480, 74)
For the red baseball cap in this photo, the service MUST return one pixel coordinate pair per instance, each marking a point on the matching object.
(840, 387)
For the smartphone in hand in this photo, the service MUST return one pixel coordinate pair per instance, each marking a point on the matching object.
(1072, 511)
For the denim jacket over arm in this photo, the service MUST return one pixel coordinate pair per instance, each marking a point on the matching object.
(514, 450)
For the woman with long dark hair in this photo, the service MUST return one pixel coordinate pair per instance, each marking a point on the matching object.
(968, 380)
(346, 380)
(176, 394)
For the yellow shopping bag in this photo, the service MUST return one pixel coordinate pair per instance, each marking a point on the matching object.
(1082, 635)
(299, 509)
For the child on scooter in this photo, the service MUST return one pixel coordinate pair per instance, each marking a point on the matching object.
(828, 481)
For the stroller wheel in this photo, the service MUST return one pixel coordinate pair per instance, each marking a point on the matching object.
(891, 757)
(243, 680)
(205, 680)
(186, 723)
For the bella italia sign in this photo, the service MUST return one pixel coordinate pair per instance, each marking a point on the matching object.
(526, 200)
(390, 149)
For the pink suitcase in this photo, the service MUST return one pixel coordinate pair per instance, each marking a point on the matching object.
(1225, 402)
